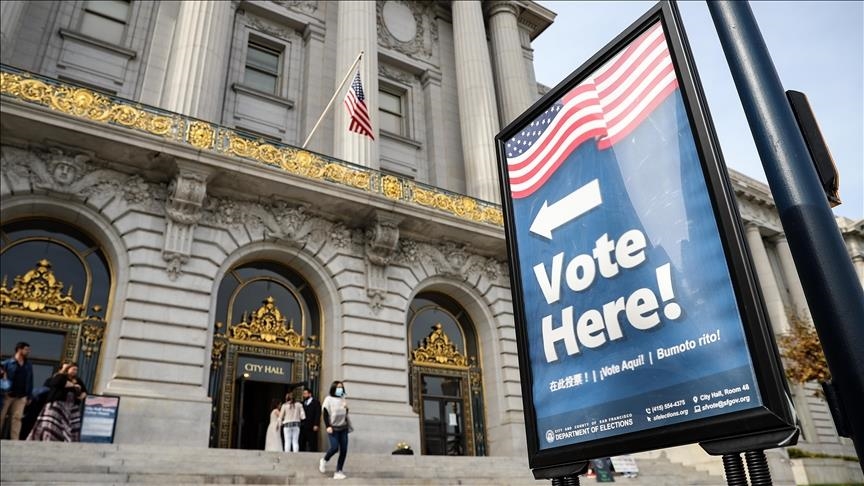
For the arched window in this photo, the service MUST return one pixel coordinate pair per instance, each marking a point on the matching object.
(56, 290)
(265, 344)
(446, 389)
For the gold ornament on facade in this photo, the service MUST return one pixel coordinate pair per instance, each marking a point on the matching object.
(313, 364)
(201, 135)
(219, 345)
(91, 338)
(94, 106)
(267, 325)
(391, 187)
(39, 291)
(438, 349)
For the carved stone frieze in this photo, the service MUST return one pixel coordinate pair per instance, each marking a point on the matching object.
(302, 6)
(183, 211)
(287, 223)
(268, 27)
(382, 243)
(382, 238)
(451, 260)
(396, 32)
(389, 72)
(75, 175)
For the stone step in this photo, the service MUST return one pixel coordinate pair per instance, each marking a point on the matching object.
(33, 463)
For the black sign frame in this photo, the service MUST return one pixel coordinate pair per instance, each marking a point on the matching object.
(84, 417)
(776, 412)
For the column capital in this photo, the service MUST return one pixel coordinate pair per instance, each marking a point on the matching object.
(500, 6)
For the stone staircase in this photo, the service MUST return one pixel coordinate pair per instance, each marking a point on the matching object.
(32, 463)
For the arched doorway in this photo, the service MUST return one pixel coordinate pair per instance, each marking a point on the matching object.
(56, 290)
(445, 377)
(265, 344)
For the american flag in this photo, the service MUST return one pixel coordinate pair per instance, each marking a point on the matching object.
(356, 104)
(605, 107)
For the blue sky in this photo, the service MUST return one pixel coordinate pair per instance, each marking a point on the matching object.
(817, 47)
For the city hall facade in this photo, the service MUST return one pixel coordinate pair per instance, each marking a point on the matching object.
(163, 227)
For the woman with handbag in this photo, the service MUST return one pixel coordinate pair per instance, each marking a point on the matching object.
(335, 412)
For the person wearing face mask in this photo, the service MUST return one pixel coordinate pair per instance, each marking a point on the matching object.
(335, 413)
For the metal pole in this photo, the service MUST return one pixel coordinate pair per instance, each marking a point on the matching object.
(834, 294)
(332, 98)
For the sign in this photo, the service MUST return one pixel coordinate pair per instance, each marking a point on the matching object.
(262, 369)
(603, 470)
(625, 465)
(638, 320)
(99, 418)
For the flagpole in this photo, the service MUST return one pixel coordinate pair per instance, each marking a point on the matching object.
(338, 90)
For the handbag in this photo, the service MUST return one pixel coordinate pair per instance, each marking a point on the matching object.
(348, 422)
(5, 385)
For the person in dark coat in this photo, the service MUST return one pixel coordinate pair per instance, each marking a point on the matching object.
(60, 420)
(309, 425)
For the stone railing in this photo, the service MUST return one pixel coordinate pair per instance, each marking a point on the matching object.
(87, 104)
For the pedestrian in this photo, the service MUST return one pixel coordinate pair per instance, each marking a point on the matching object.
(309, 425)
(19, 372)
(273, 440)
(290, 416)
(60, 420)
(335, 413)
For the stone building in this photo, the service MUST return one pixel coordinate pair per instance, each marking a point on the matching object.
(163, 226)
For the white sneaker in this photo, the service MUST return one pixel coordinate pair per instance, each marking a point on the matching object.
(322, 464)
(339, 475)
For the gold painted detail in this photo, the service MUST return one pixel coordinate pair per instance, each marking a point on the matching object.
(457, 205)
(438, 349)
(91, 337)
(40, 292)
(96, 107)
(87, 104)
(219, 345)
(267, 325)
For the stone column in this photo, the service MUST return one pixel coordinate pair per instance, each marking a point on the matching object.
(790, 275)
(195, 81)
(432, 98)
(478, 115)
(357, 31)
(509, 61)
(315, 93)
(10, 17)
(767, 282)
(858, 262)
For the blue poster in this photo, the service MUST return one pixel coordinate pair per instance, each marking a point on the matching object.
(631, 316)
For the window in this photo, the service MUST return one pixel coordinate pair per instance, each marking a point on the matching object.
(105, 19)
(391, 112)
(262, 68)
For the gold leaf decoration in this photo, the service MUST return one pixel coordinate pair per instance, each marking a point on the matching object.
(39, 291)
(438, 349)
(97, 107)
(201, 135)
(267, 325)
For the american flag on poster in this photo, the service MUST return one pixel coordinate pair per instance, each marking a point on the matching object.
(355, 101)
(605, 107)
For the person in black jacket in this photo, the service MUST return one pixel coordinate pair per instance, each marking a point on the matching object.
(309, 425)
(60, 420)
